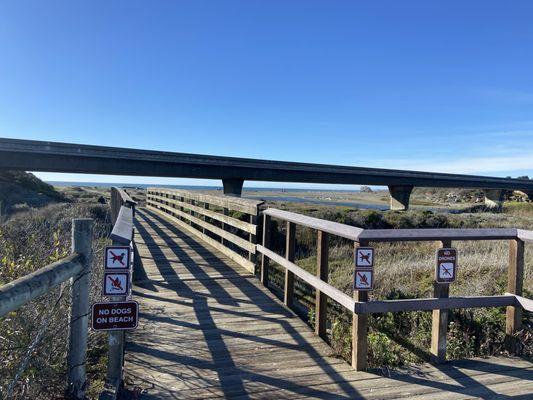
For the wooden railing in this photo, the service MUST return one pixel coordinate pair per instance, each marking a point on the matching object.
(210, 218)
(359, 304)
(75, 267)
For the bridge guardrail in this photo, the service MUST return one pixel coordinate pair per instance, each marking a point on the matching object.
(207, 217)
(359, 305)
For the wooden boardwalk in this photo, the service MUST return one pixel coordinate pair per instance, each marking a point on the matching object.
(209, 329)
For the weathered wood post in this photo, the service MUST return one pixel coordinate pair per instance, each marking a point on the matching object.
(82, 231)
(321, 300)
(359, 327)
(252, 237)
(515, 279)
(290, 245)
(439, 324)
(267, 222)
(115, 355)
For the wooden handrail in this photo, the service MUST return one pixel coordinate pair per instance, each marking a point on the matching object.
(76, 267)
(360, 306)
(192, 212)
(27, 288)
(317, 283)
(247, 206)
(122, 232)
(429, 235)
(335, 228)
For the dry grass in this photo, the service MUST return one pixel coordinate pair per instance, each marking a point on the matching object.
(30, 241)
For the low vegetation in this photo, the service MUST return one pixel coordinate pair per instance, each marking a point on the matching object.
(34, 338)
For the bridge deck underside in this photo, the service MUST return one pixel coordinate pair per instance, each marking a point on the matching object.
(208, 329)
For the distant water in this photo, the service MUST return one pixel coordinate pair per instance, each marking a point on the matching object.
(186, 187)
(268, 198)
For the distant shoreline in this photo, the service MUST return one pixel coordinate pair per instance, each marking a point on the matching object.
(194, 187)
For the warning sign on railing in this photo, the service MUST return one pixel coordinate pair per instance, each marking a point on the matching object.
(117, 257)
(116, 283)
(446, 269)
(364, 279)
(117, 315)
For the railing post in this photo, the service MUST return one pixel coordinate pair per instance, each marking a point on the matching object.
(359, 328)
(290, 245)
(322, 252)
(439, 324)
(266, 243)
(515, 279)
(115, 355)
(252, 237)
(82, 231)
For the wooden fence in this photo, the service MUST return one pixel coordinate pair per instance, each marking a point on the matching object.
(359, 305)
(77, 269)
(227, 223)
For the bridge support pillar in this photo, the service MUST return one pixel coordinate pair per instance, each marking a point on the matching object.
(493, 198)
(399, 197)
(233, 186)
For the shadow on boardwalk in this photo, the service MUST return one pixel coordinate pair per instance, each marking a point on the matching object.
(208, 329)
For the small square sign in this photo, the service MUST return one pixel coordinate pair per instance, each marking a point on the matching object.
(364, 257)
(364, 279)
(116, 283)
(446, 269)
(117, 257)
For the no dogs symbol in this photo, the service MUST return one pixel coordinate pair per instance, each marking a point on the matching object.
(364, 257)
(117, 257)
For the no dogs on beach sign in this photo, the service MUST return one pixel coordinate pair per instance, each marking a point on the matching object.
(111, 316)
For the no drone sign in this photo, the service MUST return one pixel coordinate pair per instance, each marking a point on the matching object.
(117, 257)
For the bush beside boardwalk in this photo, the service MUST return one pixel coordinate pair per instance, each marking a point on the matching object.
(28, 241)
(405, 270)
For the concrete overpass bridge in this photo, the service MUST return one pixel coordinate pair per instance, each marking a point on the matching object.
(33, 155)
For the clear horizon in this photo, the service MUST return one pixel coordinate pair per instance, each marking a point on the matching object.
(416, 85)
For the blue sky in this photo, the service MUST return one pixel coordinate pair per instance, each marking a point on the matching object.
(430, 85)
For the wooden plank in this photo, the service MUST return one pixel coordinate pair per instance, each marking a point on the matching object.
(321, 301)
(290, 247)
(223, 249)
(515, 283)
(233, 203)
(382, 306)
(403, 235)
(342, 230)
(310, 279)
(242, 243)
(439, 323)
